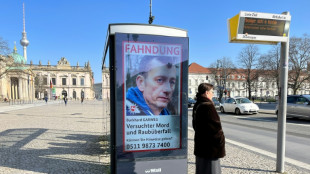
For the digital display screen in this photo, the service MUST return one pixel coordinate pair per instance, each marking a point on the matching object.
(269, 27)
(150, 78)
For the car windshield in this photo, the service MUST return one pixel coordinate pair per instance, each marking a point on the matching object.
(214, 99)
(307, 96)
(243, 100)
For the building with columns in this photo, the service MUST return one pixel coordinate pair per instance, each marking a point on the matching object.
(105, 82)
(15, 78)
(62, 80)
(26, 82)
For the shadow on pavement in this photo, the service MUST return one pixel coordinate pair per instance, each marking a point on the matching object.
(37, 150)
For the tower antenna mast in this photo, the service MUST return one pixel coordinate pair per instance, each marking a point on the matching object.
(151, 18)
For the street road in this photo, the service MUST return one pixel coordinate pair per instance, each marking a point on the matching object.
(260, 131)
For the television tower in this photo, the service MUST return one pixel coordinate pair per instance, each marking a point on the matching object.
(24, 42)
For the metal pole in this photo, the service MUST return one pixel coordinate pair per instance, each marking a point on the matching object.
(151, 18)
(282, 106)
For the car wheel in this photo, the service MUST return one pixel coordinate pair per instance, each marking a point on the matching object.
(222, 109)
(237, 111)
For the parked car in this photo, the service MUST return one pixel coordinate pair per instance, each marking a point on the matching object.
(297, 106)
(191, 102)
(217, 104)
(239, 105)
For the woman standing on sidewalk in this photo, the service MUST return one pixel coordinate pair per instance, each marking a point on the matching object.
(209, 137)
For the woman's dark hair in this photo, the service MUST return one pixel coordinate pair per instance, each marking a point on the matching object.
(202, 88)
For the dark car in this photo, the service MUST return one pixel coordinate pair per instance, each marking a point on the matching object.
(191, 102)
(297, 106)
(217, 104)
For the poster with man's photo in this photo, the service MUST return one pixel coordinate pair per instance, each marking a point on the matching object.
(152, 95)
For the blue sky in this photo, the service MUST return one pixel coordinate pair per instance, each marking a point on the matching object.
(77, 29)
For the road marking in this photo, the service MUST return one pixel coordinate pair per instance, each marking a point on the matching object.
(266, 153)
(266, 120)
(272, 155)
(258, 119)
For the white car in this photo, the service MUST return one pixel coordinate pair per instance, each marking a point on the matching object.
(239, 105)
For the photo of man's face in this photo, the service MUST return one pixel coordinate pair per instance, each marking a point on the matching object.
(157, 85)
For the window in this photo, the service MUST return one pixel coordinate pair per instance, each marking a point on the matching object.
(45, 82)
(301, 100)
(196, 81)
(82, 81)
(291, 99)
(64, 81)
(54, 81)
(74, 81)
(189, 82)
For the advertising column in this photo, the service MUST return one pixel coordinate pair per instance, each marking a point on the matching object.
(151, 120)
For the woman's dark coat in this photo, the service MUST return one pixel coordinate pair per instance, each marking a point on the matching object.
(209, 137)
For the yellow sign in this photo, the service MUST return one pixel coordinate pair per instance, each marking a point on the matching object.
(262, 28)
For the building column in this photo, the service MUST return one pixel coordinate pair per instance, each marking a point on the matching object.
(24, 89)
(12, 90)
(15, 90)
(27, 89)
(20, 92)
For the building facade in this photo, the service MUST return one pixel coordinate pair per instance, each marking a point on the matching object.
(15, 78)
(105, 82)
(235, 84)
(20, 81)
(74, 82)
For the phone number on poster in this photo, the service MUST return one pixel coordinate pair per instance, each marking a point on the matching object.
(147, 146)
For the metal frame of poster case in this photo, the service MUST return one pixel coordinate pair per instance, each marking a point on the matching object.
(134, 160)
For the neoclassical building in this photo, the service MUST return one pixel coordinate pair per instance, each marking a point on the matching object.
(62, 80)
(25, 82)
(15, 78)
(105, 82)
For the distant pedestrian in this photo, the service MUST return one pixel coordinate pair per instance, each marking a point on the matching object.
(209, 137)
(45, 98)
(82, 99)
(65, 100)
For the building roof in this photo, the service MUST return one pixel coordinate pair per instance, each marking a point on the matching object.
(196, 68)
(17, 57)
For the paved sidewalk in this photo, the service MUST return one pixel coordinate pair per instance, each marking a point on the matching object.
(5, 107)
(241, 160)
(52, 138)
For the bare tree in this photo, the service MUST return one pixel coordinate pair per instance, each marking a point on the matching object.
(269, 66)
(4, 47)
(221, 70)
(299, 57)
(248, 58)
(39, 85)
